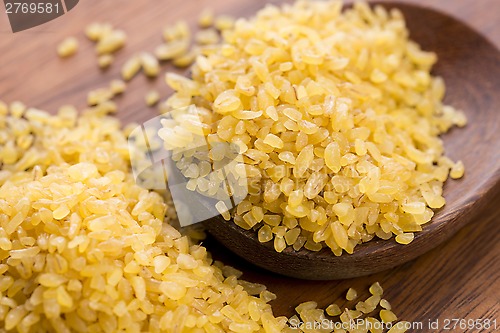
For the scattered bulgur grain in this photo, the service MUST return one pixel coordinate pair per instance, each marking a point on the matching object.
(206, 18)
(105, 60)
(93, 31)
(152, 98)
(117, 87)
(457, 170)
(387, 316)
(67, 47)
(351, 295)
(376, 289)
(150, 64)
(131, 67)
(333, 310)
(351, 320)
(385, 304)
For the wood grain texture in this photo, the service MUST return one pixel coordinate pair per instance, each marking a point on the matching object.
(458, 279)
(470, 65)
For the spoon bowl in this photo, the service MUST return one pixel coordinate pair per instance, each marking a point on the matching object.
(470, 66)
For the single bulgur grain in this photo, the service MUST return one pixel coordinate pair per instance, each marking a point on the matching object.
(67, 47)
(457, 170)
(387, 316)
(385, 304)
(351, 295)
(376, 289)
(131, 67)
(405, 238)
(105, 60)
(150, 64)
(333, 310)
(206, 18)
(117, 86)
(152, 97)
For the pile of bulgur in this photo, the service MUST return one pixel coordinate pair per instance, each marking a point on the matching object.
(337, 117)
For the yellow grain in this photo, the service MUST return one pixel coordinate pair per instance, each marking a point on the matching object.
(131, 68)
(68, 47)
(206, 18)
(152, 97)
(105, 60)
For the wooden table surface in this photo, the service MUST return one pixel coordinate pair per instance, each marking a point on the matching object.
(458, 280)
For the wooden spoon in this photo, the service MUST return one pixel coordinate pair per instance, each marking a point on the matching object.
(470, 65)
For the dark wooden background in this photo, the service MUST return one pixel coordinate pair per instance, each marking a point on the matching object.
(459, 279)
